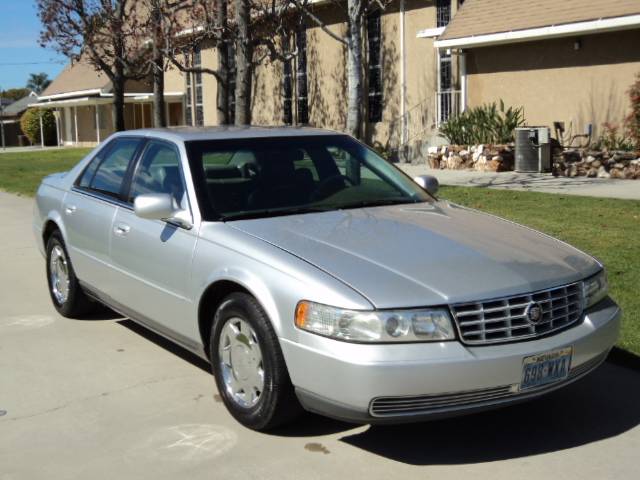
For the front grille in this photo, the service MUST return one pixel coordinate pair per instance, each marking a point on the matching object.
(505, 319)
(426, 404)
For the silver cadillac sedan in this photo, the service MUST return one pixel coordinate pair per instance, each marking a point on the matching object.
(314, 275)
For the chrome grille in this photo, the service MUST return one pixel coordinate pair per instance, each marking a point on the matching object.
(505, 319)
(425, 404)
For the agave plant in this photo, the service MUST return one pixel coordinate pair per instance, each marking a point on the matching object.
(488, 123)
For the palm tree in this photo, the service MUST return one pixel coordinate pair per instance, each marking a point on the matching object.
(38, 82)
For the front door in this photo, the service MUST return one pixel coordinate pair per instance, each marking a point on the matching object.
(152, 258)
(89, 210)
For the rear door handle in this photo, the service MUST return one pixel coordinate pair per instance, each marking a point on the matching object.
(70, 209)
(121, 229)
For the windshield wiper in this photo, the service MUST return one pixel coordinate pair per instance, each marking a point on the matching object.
(375, 203)
(273, 212)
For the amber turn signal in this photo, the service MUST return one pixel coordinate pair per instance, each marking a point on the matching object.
(301, 314)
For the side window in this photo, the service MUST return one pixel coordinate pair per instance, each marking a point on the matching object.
(110, 173)
(87, 175)
(89, 172)
(159, 172)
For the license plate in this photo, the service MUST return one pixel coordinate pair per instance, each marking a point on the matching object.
(545, 368)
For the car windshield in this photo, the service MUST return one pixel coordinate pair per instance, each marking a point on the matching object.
(264, 177)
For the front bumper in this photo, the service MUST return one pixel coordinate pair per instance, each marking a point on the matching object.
(351, 381)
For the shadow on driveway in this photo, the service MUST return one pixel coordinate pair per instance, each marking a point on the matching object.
(536, 180)
(602, 405)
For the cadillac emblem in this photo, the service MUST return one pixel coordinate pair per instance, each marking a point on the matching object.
(533, 312)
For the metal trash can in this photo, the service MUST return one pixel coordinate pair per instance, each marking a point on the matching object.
(533, 149)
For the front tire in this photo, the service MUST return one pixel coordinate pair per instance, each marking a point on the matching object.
(249, 367)
(65, 291)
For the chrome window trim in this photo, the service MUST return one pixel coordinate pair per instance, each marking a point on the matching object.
(101, 196)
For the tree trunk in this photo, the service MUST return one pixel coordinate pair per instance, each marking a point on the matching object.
(354, 70)
(243, 64)
(222, 50)
(159, 112)
(118, 100)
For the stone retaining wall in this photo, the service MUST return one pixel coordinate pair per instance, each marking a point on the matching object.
(567, 162)
(602, 164)
(483, 158)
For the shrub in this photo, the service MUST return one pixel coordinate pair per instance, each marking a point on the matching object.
(488, 123)
(633, 120)
(610, 139)
(30, 125)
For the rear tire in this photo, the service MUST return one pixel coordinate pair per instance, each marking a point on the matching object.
(65, 291)
(249, 367)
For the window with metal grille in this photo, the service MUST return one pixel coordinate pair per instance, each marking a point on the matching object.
(188, 107)
(443, 12)
(445, 93)
(199, 103)
(194, 102)
(301, 77)
(375, 66)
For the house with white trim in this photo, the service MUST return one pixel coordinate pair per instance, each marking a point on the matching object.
(82, 98)
(569, 61)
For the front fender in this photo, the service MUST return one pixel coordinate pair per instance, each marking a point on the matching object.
(250, 282)
(277, 279)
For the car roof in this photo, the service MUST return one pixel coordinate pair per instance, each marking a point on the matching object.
(185, 134)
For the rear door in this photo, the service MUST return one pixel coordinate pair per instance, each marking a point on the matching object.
(152, 258)
(90, 208)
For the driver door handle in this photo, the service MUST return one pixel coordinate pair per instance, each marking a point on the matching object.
(121, 229)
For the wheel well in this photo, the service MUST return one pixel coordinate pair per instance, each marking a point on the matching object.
(209, 303)
(48, 229)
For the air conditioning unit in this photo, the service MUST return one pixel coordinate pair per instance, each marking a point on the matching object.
(533, 149)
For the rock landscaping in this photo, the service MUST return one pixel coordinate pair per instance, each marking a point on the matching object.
(601, 164)
(565, 162)
(482, 158)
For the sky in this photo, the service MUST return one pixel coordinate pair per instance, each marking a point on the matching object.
(20, 53)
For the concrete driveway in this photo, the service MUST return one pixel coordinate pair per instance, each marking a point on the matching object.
(532, 182)
(102, 398)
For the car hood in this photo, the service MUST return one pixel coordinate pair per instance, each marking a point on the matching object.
(424, 254)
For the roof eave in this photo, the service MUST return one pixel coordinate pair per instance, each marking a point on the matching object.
(542, 33)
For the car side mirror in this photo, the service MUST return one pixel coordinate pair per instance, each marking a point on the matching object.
(160, 206)
(428, 183)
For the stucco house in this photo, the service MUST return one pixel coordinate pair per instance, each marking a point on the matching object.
(410, 86)
(82, 102)
(426, 60)
(570, 61)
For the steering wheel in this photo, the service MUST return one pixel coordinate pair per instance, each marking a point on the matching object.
(331, 185)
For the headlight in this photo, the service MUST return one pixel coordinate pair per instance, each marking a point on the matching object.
(595, 289)
(419, 325)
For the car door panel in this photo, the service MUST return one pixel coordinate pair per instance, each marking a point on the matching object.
(151, 262)
(88, 222)
(90, 207)
(151, 259)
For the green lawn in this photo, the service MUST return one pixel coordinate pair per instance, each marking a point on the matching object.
(21, 172)
(608, 229)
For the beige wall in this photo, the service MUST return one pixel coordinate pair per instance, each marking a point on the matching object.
(209, 86)
(553, 81)
(327, 84)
